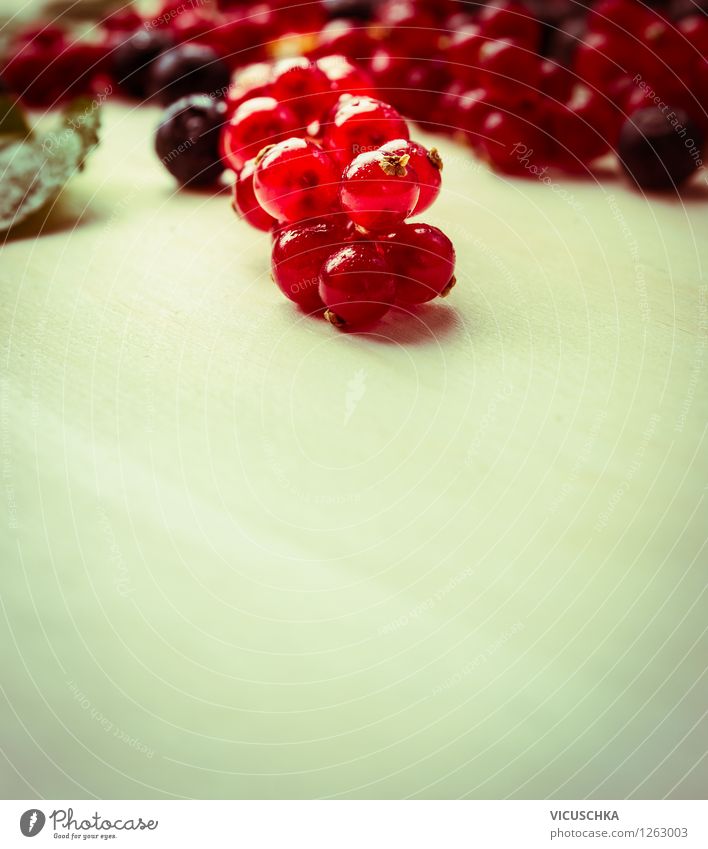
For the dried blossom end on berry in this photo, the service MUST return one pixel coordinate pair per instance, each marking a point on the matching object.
(394, 165)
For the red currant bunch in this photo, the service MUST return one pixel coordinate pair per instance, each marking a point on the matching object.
(336, 192)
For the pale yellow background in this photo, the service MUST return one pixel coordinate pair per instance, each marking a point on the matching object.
(246, 555)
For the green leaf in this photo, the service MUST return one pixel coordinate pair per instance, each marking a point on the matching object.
(33, 171)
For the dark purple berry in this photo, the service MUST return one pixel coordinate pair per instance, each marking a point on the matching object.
(188, 69)
(132, 59)
(187, 140)
(660, 150)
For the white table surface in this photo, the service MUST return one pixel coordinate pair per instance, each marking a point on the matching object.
(246, 555)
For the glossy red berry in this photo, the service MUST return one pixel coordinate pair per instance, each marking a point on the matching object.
(423, 259)
(508, 19)
(345, 77)
(618, 17)
(555, 80)
(379, 190)
(584, 128)
(408, 27)
(256, 123)
(513, 143)
(388, 71)
(472, 110)
(427, 165)
(356, 285)
(601, 59)
(250, 81)
(419, 90)
(509, 71)
(362, 124)
(662, 52)
(245, 202)
(694, 30)
(298, 254)
(296, 180)
(346, 37)
(462, 53)
(303, 87)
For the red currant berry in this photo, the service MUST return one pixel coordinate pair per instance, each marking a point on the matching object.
(296, 180)
(407, 27)
(556, 81)
(662, 52)
(427, 165)
(472, 111)
(618, 17)
(423, 259)
(633, 98)
(507, 19)
(304, 88)
(43, 35)
(462, 53)
(386, 69)
(299, 252)
(195, 26)
(362, 124)
(447, 108)
(419, 91)
(508, 70)
(256, 123)
(513, 143)
(356, 285)
(246, 33)
(345, 77)
(245, 203)
(250, 81)
(600, 60)
(694, 29)
(346, 37)
(123, 19)
(584, 128)
(379, 190)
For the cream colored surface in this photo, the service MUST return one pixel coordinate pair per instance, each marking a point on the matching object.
(461, 555)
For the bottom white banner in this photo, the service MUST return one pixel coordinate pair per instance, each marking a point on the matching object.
(350, 824)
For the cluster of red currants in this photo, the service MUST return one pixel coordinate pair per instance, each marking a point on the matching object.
(334, 175)
(528, 84)
(547, 81)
